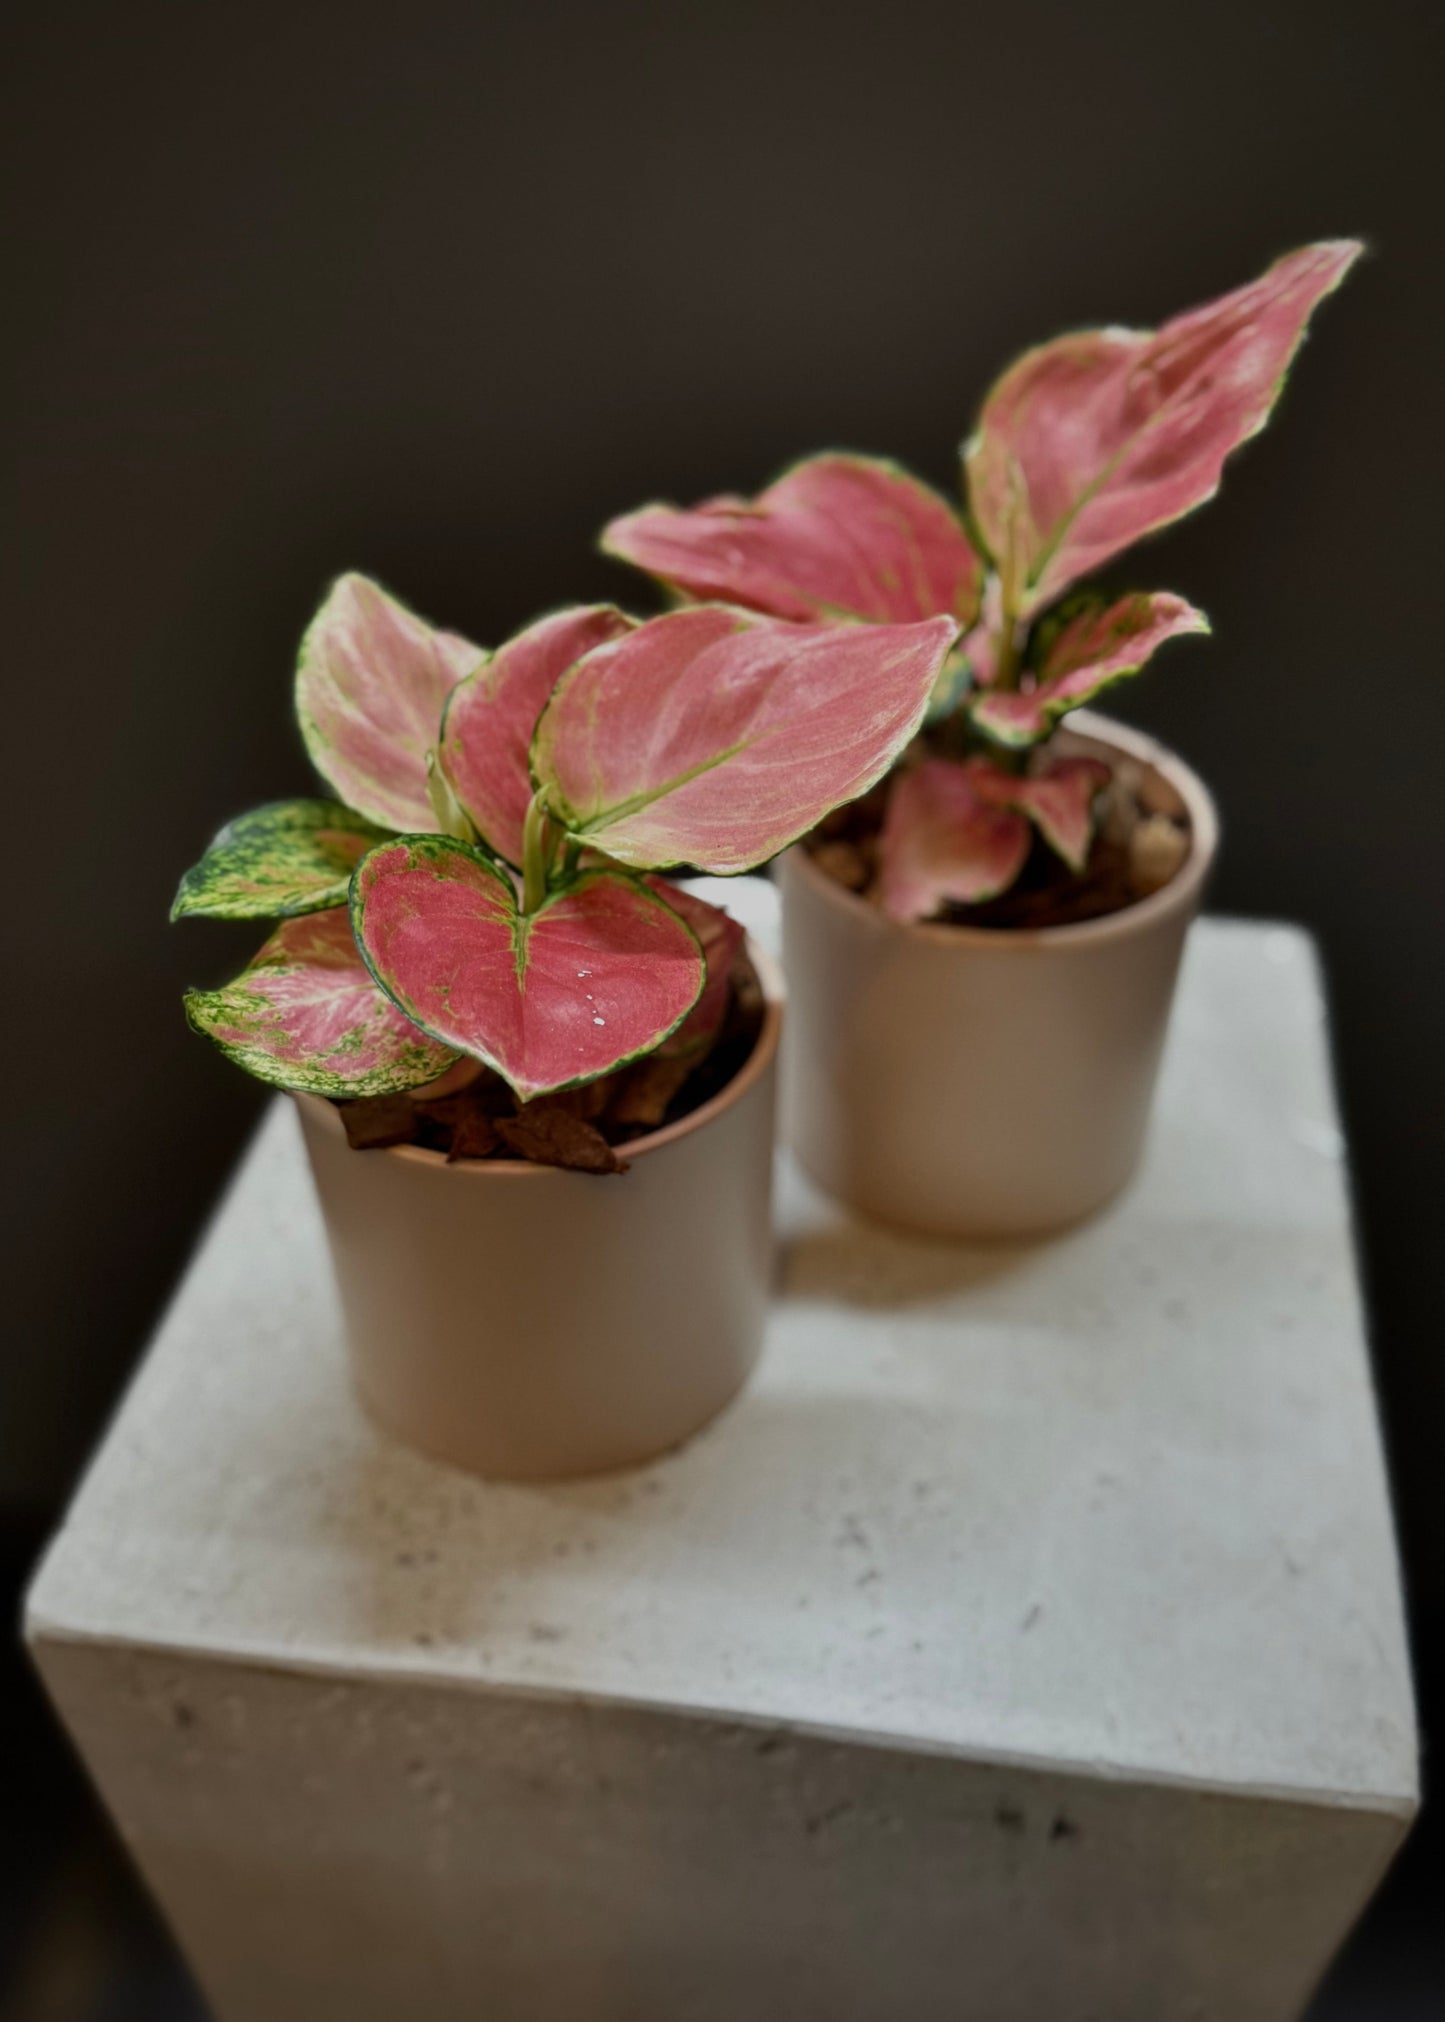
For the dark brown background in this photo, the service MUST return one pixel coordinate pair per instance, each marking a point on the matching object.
(432, 290)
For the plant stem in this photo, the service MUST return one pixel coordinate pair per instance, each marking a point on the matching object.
(535, 855)
(1006, 671)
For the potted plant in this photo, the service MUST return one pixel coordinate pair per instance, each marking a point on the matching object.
(535, 1079)
(981, 954)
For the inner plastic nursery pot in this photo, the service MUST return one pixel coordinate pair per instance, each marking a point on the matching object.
(529, 1323)
(976, 1081)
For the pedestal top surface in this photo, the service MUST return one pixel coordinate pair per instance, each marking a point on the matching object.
(1112, 1502)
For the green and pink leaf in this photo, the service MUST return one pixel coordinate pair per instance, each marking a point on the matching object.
(599, 975)
(1088, 443)
(306, 1015)
(1059, 801)
(491, 716)
(371, 685)
(836, 536)
(960, 833)
(1098, 645)
(720, 937)
(943, 840)
(290, 857)
(715, 738)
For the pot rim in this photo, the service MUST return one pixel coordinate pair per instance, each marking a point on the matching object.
(1179, 895)
(753, 1068)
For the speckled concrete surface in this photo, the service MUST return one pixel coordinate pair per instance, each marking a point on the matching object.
(1103, 1512)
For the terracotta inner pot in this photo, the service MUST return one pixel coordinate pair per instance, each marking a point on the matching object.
(528, 1323)
(974, 1081)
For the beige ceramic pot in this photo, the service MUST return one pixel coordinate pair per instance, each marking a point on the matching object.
(528, 1323)
(968, 1081)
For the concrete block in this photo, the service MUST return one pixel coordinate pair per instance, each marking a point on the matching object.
(1026, 1642)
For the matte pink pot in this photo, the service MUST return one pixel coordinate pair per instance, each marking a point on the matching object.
(967, 1081)
(530, 1324)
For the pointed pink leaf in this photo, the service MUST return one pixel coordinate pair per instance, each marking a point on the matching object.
(491, 715)
(306, 1015)
(720, 937)
(371, 685)
(1101, 645)
(835, 536)
(1059, 801)
(943, 840)
(714, 738)
(602, 973)
(1090, 442)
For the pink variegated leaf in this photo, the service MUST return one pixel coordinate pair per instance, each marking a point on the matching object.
(1090, 442)
(954, 681)
(600, 974)
(973, 663)
(1059, 801)
(491, 715)
(715, 738)
(836, 536)
(306, 1015)
(461, 1074)
(371, 685)
(1100, 644)
(290, 857)
(720, 937)
(942, 840)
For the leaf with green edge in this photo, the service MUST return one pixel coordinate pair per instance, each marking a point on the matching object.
(371, 684)
(287, 858)
(720, 937)
(944, 840)
(1059, 801)
(1090, 442)
(1093, 647)
(490, 717)
(306, 1015)
(715, 738)
(838, 535)
(598, 975)
(954, 682)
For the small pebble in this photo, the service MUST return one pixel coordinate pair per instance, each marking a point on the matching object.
(1157, 848)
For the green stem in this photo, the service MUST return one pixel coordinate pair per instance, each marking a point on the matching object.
(1007, 672)
(537, 848)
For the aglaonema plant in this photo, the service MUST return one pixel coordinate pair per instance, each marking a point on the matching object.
(1084, 446)
(485, 884)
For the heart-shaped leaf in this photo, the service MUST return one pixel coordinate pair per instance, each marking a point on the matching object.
(713, 738)
(1098, 645)
(598, 975)
(1092, 441)
(1059, 801)
(943, 839)
(371, 685)
(293, 856)
(720, 937)
(306, 1015)
(491, 715)
(835, 536)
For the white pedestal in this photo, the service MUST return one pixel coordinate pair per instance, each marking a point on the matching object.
(1025, 1644)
